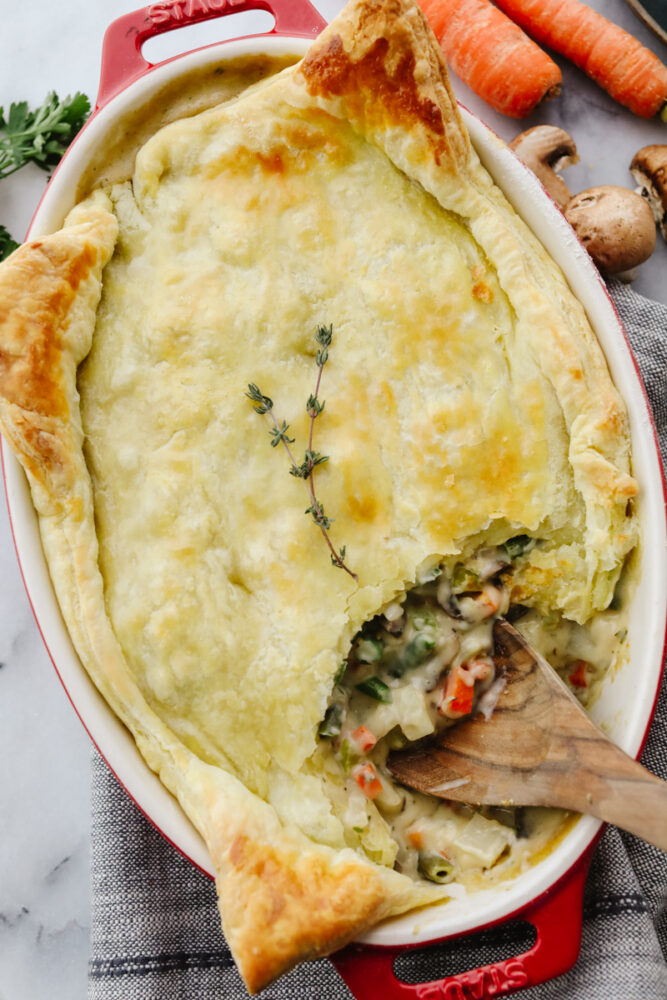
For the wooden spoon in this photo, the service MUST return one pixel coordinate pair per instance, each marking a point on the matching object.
(539, 748)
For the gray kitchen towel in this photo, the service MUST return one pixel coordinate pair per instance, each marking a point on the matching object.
(155, 927)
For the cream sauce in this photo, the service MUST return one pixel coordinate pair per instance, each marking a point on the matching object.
(187, 95)
(394, 690)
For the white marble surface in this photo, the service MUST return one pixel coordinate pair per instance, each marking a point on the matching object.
(44, 751)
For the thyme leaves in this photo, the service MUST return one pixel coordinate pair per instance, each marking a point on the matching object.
(279, 434)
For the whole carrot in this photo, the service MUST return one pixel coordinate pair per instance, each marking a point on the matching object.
(628, 71)
(492, 55)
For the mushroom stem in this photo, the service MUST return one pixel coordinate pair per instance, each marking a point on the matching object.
(547, 149)
(649, 169)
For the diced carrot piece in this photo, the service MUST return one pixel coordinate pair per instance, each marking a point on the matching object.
(458, 694)
(363, 739)
(578, 675)
(462, 705)
(366, 777)
(416, 839)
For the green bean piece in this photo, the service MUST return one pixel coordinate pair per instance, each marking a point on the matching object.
(340, 673)
(375, 688)
(519, 545)
(332, 722)
(434, 867)
(347, 755)
(416, 652)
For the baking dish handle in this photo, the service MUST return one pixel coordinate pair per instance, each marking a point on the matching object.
(122, 61)
(556, 917)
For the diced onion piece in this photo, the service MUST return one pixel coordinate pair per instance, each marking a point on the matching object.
(484, 840)
(389, 800)
(376, 839)
(381, 719)
(356, 812)
(366, 777)
(369, 650)
(411, 712)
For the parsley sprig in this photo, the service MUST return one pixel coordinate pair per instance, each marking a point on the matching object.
(40, 136)
(312, 459)
(7, 244)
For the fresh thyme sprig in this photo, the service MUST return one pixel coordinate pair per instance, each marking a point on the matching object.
(304, 470)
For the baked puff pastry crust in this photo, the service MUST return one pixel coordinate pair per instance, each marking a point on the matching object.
(467, 400)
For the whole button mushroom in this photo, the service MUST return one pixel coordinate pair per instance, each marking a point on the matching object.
(616, 226)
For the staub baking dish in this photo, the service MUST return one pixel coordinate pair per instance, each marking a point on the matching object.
(549, 894)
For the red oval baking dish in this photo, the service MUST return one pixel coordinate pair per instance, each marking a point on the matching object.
(549, 895)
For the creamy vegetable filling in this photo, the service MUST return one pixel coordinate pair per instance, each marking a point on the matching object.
(419, 666)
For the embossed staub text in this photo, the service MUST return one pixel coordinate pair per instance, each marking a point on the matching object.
(185, 10)
(478, 984)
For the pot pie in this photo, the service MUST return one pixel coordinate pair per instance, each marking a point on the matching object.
(478, 462)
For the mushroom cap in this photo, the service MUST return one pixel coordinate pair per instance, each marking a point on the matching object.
(649, 169)
(547, 149)
(615, 225)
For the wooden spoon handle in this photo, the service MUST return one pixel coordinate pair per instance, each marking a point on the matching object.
(582, 769)
(618, 790)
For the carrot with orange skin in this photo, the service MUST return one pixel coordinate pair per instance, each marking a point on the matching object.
(492, 55)
(621, 65)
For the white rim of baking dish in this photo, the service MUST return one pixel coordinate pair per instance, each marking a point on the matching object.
(625, 713)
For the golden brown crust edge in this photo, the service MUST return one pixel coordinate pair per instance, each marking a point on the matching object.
(381, 64)
(284, 899)
(306, 906)
(44, 285)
